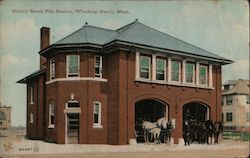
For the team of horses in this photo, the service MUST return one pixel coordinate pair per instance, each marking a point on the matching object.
(158, 131)
(200, 132)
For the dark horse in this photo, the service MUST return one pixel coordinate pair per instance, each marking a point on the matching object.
(218, 130)
(209, 130)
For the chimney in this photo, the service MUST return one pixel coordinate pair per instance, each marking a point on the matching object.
(44, 42)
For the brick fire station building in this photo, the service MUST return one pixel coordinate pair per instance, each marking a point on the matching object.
(96, 84)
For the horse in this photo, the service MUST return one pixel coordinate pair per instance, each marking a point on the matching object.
(170, 127)
(151, 128)
(210, 129)
(218, 130)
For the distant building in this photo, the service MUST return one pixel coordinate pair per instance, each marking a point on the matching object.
(235, 104)
(5, 117)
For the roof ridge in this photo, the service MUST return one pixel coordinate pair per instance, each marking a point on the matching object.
(85, 33)
(127, 30)
(180, 39)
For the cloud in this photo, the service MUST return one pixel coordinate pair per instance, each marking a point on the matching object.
(113, 24)
(9, 60)
(18, 32)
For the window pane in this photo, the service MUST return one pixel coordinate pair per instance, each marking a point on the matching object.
(160, 69)
(96, 118)
(73, 64)
(144, 62)
(144, 67)
(189, 73)
(96, 108)
(203, 75)
(98, 66)
(175, 71)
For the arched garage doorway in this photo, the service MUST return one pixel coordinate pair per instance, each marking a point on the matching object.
(148, 110)
(196, 112)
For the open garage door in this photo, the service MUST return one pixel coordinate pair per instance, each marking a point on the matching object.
(148, 110)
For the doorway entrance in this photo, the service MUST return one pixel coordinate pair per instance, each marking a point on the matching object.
(72, 119)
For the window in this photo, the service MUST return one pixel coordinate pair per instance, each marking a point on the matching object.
(175, 71)
(160, 69)
(229, 100)
(31, 117)
(97, 114)
(144, 67)
(222, 117)
(229, 116)
(203, 75)
(31, 94)
(248, 99)
(73, 65)
(98, 66)
(51, 115)
(52, 69)
(189, 73)
(248, 116)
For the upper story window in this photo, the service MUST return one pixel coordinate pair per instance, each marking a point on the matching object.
(73, 62)
(229, 100)
(52, 115)
(98, 66)
(203, 75)
(145, 67)
(248, 116)
(229, 116)
(175, 71)
(32, 117)
(248, 99)
(52, 69)
(189, 73)
(97, 114)
(31, 89)
(160, 69)
(222, 117)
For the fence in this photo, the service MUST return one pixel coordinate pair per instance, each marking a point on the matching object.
(236, 135)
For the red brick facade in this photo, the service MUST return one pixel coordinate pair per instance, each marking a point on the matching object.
(118, 91)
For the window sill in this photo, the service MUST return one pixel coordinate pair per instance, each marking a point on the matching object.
(51, 126)
(31, 103)
(173, 83)
(97, 126)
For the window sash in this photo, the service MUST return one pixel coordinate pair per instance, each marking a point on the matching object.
(248, 116)
(52, 68)
(229, 117)
(97, 113)
(160, 69)
(73, 64)
(31, 94)
(175, 71)
(144, 67)
(98, 66)
(189, 73)
(51, 114)
(203, 75)
(229, 100)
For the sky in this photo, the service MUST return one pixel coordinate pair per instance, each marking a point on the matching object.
(219, 26)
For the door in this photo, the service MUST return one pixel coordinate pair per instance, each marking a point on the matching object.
(72, 128)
